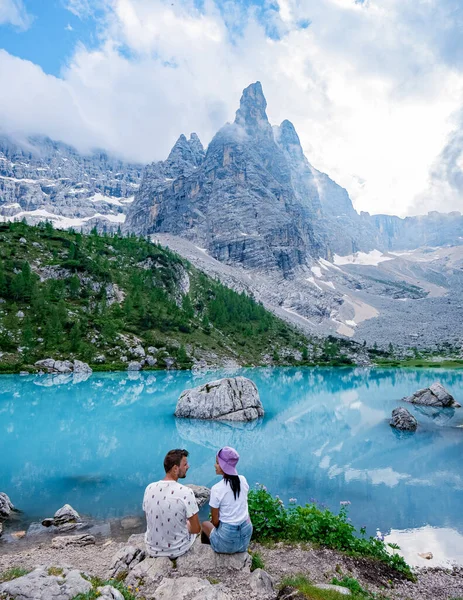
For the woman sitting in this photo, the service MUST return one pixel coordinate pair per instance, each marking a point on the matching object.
(231, 527)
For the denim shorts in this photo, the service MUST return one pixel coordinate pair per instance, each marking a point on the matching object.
(228, 539)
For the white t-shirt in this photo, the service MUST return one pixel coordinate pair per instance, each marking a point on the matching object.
(168, 505)
(231, 511)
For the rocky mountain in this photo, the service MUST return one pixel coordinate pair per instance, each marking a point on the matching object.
(254, 199)
(45, 180)
(251, 210)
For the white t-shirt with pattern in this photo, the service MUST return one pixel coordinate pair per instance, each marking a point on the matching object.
(168, 505)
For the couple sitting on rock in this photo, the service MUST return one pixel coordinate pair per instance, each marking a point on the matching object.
(172, 512)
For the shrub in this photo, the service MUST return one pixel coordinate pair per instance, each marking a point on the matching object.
(309, 523)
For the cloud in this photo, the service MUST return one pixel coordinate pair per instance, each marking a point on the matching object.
(13, 12)
(446, 175)
(369, 86)
(69, 27)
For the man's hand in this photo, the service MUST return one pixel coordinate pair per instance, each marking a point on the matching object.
(193, 524)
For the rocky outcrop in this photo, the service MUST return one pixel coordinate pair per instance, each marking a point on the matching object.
(50, 365)
(41, 584)
(201, 492)
(6, 506)
(434, 395)
(191, 588)
(228, 399)
(63, 541)
(202, 559)
(65, 518)
(403, 420)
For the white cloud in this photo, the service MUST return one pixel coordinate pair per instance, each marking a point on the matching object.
(13, 12)
(370, 87)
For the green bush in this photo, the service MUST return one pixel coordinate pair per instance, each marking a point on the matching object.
(273, 521)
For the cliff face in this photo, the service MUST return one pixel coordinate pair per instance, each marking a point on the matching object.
(254, 199)
(42, 179)
(238, 202)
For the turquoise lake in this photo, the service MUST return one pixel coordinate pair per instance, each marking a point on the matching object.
(97, 443)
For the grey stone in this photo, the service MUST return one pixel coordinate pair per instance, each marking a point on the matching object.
(201, 492)
(66, 514)
(137, 540)
(201, 558)
(152, 350)
(39, 585)
(138, 351)
(22, 240)
(434, 395)
(228, 399)
(48, 522)
(261, 582)
(150, 361)
(134, 366)
(6, 506)
(125, 559)
(108, 592)
(170, 362)
(402, 419)
(190, 588)
(83, 539)
(131, 522)
(334, 588)
(20, 314)
(150, 570)
(81, 367)
(45, 363)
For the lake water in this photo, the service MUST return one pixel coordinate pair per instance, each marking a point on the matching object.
(97, 443)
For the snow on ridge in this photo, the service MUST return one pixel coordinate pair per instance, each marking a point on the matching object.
(59, 221)
(372, 258)
(313, 282)
(327, 265)
(317, 272)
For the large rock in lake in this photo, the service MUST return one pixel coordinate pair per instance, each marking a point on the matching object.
(228, 399)
(402, 419)
(434, 395)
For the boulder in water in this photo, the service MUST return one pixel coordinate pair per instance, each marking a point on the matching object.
(228, 399)
(6, 506)
(434, 395)
(402, 419)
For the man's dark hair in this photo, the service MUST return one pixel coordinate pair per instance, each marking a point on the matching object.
(174, 458)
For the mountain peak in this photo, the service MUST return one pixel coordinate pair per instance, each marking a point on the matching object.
(251, 114)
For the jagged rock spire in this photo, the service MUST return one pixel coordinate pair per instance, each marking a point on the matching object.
(287, 138)
(251, 114)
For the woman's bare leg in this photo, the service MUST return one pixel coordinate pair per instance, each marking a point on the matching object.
(206, 528)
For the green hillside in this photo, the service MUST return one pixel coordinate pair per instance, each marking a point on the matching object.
(96, 297)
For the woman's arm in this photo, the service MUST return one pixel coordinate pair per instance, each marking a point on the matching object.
(215, 516)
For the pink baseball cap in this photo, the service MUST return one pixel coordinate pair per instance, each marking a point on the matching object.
(227, 458)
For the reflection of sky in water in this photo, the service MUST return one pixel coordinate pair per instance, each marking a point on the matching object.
(96, 443)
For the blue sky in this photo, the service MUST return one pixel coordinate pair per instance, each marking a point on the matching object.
(373, 87)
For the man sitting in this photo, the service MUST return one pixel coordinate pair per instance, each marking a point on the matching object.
(171, 510)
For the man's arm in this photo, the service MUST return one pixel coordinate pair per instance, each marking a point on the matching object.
(193, 524)
(215, 518)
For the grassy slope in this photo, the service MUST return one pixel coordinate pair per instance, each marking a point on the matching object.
(63, 282)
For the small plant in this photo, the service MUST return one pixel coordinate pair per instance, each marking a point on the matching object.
(309, 591)
(13, 573)
(55, 571)
(256, 561)
(352, 584)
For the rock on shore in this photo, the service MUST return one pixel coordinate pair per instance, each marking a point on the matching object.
(434, 395)
(228, 399)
